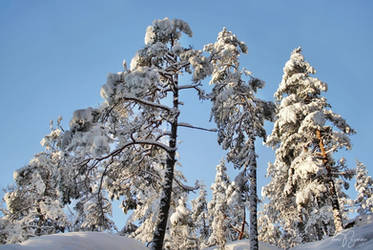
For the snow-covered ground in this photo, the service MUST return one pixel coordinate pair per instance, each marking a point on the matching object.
(244, 245)
(359, 237)
(77, 241)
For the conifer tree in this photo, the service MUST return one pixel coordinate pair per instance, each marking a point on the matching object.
(364, 188)
(306, 133)
(237, 201)
(200, 216)
(182, 234)
(239, 115)
(33, 205)
(218, 208)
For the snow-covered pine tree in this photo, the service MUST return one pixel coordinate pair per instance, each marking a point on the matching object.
(305, 135)
(33, 205)
(364, 188)
(239, 115)
(218, 208)
(134, 120)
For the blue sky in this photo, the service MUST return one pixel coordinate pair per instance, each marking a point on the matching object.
(55, 56)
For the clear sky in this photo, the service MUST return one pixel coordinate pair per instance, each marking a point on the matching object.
(55, 56)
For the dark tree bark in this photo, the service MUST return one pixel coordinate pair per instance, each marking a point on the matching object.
(253, 200)
(160, 230)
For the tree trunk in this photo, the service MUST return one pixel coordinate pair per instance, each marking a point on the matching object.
(332, 190)
(242, 232)
(253, 200)
(160, 230)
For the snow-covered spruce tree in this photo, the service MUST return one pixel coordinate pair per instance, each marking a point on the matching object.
(237, 201)
(133, 123)
(200, 216)
(239, 115)
(218, 208)
(182, 235)
(364, 188)
(303, 177)
(33, 204)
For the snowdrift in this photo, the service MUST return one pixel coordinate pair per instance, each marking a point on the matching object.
(77, 241)
(359, 238)
(244, 245)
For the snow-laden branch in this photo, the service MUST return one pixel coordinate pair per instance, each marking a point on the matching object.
(186, 187)
(131, 143)
(187, 125)
(144, 102)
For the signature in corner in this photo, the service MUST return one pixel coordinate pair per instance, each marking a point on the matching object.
(348, 239)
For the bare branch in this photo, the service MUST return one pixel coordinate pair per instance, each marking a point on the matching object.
(144, 102)
(189, 86)
(187, 125)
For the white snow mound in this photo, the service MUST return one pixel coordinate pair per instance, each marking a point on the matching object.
(359, 237)
(78, 241)
(244, 245)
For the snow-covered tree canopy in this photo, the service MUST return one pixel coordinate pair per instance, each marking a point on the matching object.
(236, 111)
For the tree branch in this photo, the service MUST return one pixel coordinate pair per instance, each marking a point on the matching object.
(134, 142)
(188, 86)
(187, 125)
(144, 102)
(185, 187)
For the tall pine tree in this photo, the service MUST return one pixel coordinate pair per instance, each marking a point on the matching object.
(239, 115)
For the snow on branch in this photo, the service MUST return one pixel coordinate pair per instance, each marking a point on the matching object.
(187, 125)
(186, 187)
